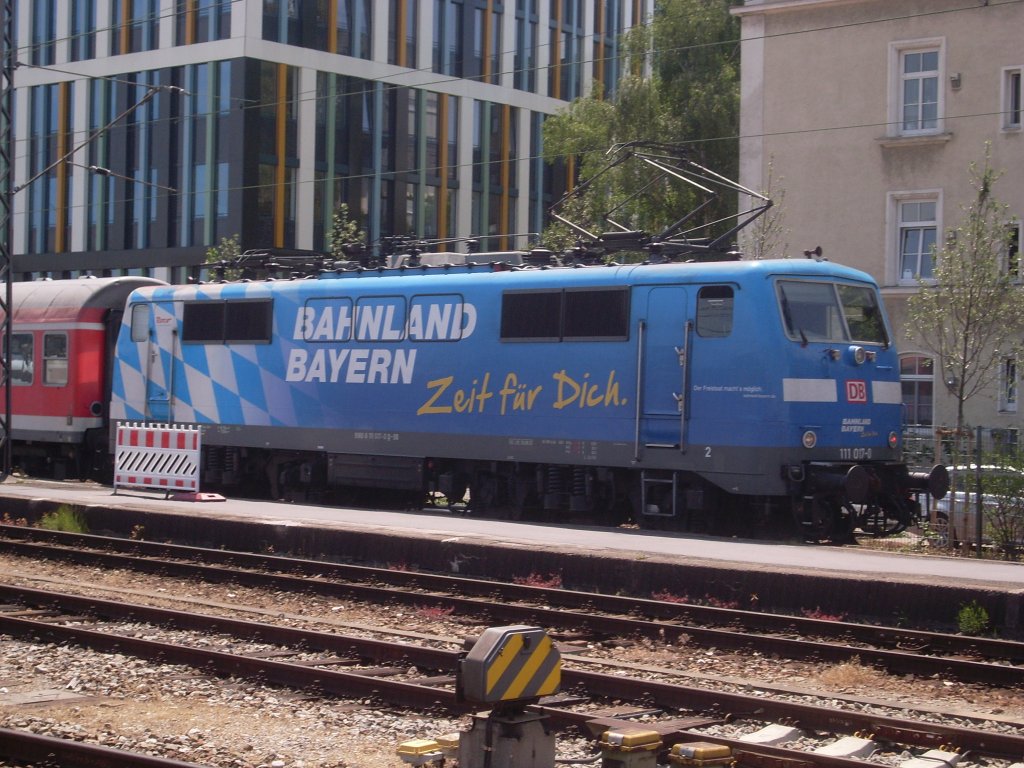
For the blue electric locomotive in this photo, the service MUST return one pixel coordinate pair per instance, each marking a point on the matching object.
(684, 393)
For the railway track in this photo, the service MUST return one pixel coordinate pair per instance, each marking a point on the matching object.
(410, 675)
(902, 651)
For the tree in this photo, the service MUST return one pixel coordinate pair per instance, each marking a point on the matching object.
(969, 317)
(344, 231)
(225, 251)
(690, 98)
(766, 237)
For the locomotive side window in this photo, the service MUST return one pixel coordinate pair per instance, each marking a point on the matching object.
(203, 321)
(21, 360)
(596, 314)
(863, 318)
(140, 322)
(326, 320)
(247, 321)
(380, 318)
(714, 311)
(535, 315)
(55, 359)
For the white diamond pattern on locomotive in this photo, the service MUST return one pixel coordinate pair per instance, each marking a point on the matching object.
(129, 385)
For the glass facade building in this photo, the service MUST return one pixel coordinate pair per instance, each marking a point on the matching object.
(144, 137)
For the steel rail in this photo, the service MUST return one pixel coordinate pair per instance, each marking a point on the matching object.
(37, 749)
(721, 705)
(498, 607)
(893, 637)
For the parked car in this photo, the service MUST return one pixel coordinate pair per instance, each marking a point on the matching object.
(954, 518)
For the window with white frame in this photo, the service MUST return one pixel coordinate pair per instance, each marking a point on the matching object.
(919, 74)
(916, 94)
(1012, 105)
(917, 381)
(1011, 255)
(916, 239)
(1008, 386)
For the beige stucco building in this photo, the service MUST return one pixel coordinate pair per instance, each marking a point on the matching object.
(868, 114)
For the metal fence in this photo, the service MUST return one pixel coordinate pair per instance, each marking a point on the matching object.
(985, 506)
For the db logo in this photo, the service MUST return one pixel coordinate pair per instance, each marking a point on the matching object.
(856, 391)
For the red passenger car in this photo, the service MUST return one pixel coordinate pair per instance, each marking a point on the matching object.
(62, 337)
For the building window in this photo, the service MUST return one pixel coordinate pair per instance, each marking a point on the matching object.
(44, 32)
(1011, 259)
(916, 234)
(527, 21)
(83, 30)
(135, 26)
(1012, 99)
(449, 45)
(402, 23)
(200, 21)
(920, 79)
(917, 381)
(916, 101)
(1008, 386)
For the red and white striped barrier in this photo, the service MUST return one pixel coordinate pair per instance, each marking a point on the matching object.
(157, 456)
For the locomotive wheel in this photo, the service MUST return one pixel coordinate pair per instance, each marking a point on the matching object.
(828, 522)
(878, 520)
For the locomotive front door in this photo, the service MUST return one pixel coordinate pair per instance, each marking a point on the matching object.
(665, 340)
(159, 363)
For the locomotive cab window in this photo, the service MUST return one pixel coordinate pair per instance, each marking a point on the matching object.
(862, 313)
(55, 359)
(598, 314)
(714, 311)
(246, 321)
(21, 358)
(830, 312)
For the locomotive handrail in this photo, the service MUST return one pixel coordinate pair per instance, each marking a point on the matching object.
(641, 328)
(684, 412)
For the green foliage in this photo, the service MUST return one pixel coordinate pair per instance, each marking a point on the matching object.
(970, 316)
(684, 93)
(344, 231)
(1003, 510)
(228, 249)
(972, 619)
(64, 518)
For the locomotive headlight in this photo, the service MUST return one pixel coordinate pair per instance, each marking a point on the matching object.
(810, 439)
(894, 440)
(859, 354)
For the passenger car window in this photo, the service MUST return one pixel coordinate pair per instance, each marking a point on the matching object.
(55, 359)
(21, 358)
